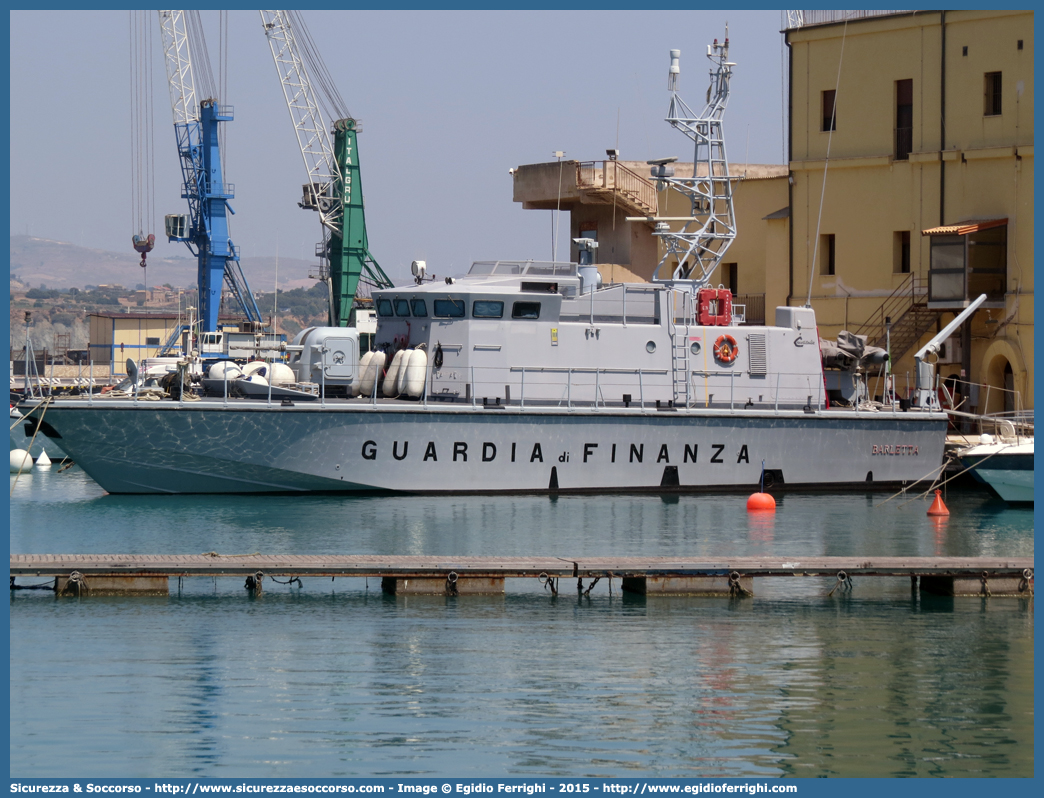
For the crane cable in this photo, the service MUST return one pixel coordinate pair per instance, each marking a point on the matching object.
(222, 83)
(334, 106)
(143, 188)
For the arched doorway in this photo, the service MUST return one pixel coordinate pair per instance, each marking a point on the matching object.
(998, 393)
(1006, 379)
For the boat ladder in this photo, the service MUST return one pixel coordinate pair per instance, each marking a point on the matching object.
(681, 320)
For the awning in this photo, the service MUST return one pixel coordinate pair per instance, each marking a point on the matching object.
(964, 228)
(782, 213)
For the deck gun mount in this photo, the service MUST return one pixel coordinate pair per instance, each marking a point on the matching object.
(927, 395)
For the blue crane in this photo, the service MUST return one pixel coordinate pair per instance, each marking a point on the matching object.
(205, 228)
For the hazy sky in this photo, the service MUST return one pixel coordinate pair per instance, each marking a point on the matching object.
(449, 101)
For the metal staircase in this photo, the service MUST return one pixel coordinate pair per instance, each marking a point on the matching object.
(612, 183)
(907, 307)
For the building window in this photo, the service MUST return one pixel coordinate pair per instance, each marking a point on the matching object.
(826, 255)
(152, 342)
(901, 252)
(966, 264)
(829, 111)
(730, 277)
(992, 103)
(903, 119)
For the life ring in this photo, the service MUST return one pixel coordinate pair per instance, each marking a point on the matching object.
(726, 349)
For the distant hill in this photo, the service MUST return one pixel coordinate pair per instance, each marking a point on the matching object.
(57, 264)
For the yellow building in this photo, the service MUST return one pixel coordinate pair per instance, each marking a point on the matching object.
(911, 158)
(114, 337)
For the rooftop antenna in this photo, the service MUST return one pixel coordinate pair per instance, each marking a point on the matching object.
(698, 246)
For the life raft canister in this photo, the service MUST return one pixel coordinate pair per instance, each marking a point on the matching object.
(726, 349)
(714, 307)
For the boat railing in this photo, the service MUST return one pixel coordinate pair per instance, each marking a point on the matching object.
(614, 304)
(964, 401)
(978, 398)
(525, 387)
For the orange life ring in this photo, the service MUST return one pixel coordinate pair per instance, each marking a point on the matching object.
(726, 349)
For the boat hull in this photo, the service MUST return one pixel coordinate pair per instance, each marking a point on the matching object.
(1009, 475)
(21, 438)
(207, 447)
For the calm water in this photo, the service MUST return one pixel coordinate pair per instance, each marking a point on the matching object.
(335, 679)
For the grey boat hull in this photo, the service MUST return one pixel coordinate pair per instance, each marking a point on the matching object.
(21, 438)
(246, 447)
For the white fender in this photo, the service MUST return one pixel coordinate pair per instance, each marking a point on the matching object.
(282, 374)
(224, 369)
(356, 387)
(371, 374)
(416, 373)
(391, 378)
(254, 366)
(400, 381)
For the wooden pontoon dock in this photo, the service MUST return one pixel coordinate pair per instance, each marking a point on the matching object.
(107, 574)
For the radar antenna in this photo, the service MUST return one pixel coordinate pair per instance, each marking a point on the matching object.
(697, 248)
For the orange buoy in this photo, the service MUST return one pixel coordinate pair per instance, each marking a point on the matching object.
(761, 501)
(938, 508)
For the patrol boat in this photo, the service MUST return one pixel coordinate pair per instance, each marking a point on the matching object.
(534, 376)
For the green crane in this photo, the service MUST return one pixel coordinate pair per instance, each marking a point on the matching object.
(334, 187)
(348, 250)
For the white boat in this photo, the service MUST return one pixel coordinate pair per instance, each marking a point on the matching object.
(534, 376)
(1003, 461)
(528, 384)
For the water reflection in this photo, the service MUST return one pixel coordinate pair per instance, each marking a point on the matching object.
(334, 679)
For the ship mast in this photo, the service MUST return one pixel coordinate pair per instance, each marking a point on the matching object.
(697, 248)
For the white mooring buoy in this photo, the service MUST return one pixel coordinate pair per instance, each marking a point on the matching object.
(43, 461)
(21, 461)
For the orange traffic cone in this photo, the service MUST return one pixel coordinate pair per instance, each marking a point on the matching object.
(938, 508)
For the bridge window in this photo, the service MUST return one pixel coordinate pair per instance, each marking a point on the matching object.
(525, 310)
(384, 307)
(419, 308)
(402, 307)
(449, 308)
(487, 309)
